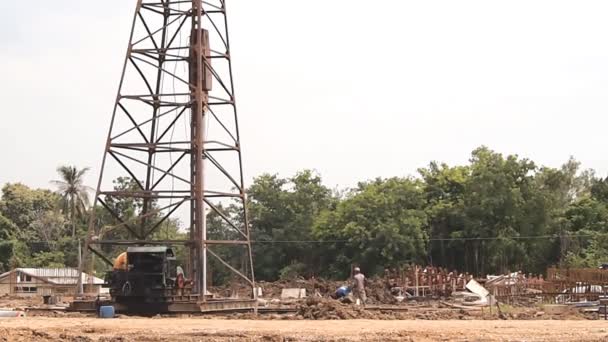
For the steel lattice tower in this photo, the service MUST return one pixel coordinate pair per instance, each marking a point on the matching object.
(174, 134)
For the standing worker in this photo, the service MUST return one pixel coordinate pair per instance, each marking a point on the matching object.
(359, 286)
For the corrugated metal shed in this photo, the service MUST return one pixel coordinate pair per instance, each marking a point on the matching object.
(57, 276)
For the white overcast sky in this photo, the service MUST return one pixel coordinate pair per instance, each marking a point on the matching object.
(353, 89)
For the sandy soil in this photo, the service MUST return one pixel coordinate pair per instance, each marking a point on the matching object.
(201, 329)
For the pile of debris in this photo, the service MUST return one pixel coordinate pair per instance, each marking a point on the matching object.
(314, 287)
(514, 284)
(318, 308)
(475, 295)
(324, 309)
(391, 288)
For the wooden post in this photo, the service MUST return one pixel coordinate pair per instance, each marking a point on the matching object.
(416, 276)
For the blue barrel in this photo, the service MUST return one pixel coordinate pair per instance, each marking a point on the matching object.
(106, 311)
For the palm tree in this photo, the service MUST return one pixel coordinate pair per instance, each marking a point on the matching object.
(74, 194)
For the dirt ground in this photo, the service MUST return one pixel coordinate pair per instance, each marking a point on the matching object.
(312, 319)
(201, 329)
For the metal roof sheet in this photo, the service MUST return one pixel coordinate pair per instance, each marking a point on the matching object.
(150, 249)
(58, 276)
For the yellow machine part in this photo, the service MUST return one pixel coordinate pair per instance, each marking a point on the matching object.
(121, 262)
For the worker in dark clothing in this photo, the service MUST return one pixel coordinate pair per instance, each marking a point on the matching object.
(98, 306)
(359, 287)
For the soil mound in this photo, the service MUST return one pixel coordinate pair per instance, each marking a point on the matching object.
(318, 308)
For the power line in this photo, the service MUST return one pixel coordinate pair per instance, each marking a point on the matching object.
(530, 237)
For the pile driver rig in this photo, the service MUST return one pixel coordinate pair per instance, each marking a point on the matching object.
(174, 138)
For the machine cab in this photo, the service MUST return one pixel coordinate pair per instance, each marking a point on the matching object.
(149, 273)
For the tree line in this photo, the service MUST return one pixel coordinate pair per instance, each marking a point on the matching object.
(495, 214)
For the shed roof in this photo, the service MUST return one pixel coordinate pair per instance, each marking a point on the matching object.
(57, 276)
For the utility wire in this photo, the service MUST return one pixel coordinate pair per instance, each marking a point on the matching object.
(529, 237)
(532, 237)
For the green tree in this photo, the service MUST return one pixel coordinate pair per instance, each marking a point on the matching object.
(382, 223)
(599, 189)
(7, 228)
(561, 188)
(22, 205)
(126, 208)
(284, 210)
(51, 259)
(586, 226)
(6, 253)
(444, 190)
(74, 194)
(221, 225)
(501, 203)
(49, 226)
(20, 254)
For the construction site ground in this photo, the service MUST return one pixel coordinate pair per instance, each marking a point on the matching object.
(214, 329)
(315, 318)
(310, 320)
